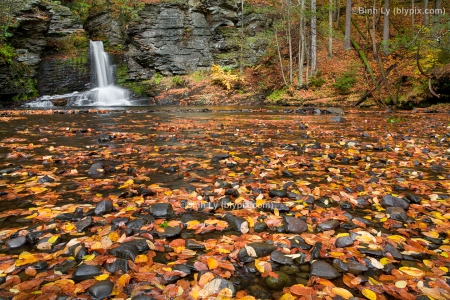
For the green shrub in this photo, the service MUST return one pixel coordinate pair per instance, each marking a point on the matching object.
(157, 78)
(6, 53)
(198, 75)
(177, 81)
(276, 95)
(317, 81)
(345, 82)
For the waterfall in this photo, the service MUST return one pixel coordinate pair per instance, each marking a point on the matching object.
(104, 93)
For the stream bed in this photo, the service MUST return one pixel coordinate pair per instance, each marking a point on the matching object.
(226, 202)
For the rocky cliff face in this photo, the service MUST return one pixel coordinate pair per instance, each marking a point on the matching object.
(37, 23)
(169, 38)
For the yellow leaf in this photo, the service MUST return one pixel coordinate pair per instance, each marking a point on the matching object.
(384, 261)
(431, 234)
(444, 254)
(52, 239)
(89, 257)
(288, 296)
(212, 263)
(113, 236)
(224, 251)
(32, 216)
(127, 184)
(192, 224)
(276, 212)
(260, 265)
(141, 259)
(428, 263)
(369, 294)
(102, 277)
(397, 238)
(342, 292)
(412, 271)
(250, 221)
(25, 258)
(37, 190)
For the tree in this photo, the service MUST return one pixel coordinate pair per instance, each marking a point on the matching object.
(302, 44)
(386, 28)
(313, 38)
(426, 17)
(348, 18)
(330, 29)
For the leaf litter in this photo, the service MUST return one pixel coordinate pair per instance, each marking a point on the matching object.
(200, 204)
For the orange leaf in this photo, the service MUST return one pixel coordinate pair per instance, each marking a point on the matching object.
(212, 263)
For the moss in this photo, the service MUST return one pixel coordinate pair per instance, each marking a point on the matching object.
(276, 95)
(7, 53)
(345, 82)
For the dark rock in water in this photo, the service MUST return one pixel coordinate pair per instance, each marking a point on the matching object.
(66, 266)
(101, 289)
(145, 192)
(259, 292)
(344, 241)
(84, 272)
(355, 267)
(290, 269)
(182, 268)
(137, 224)
(162, 210)
(260, 227)
(339, 265)
(315, 251)
(412, 198)
(219, 157)
(118, 265)
(323, 269)
(237, 223)
(216, 285)
(391, 201)
(362, 202)
(338, 119)
(96, 169)
(82, 252)
(329, 225)
(140, 243)
(169, 232)
(104, 138)
(279, 257)
(46, 179)
(279, 283)
(192, 245)
(103, 207)
(118, 221)
(39, 265)
(16, 242)
(126, 251)
(389, 248)
(335, 110)
(142, 297)
(68, 217)
(298, 242)
(397, 213)
(295, 225)
(258, 249)
(370, 252)
(278, 193)
(84, 223)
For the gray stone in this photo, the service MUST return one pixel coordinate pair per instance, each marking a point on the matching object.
(295, 225)
(16, 242)
(389, 248)
(103, 207)
(192, 245)
(83, 224)
(338, 119)
(94, 169)
(259, 292)
(355, 267)
(329, 225)
(344, 241)
(126, 251)
(397, 213)
(84, 272)
(216, 285)
(101, 289)
(237, 223)
(279, 257)
(162, 210)
(259, 248)
(391, 201)
(323, 269)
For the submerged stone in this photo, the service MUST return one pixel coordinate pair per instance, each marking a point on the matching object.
(323, 269)
(101, 289)
(84, 272)
(279, 283)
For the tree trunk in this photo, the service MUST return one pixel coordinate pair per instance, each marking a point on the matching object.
(377, 58)
(338, 13)
(289, 37)
(241, 56)
(302, 45)
(426, 17)
(313, 38)
(330, 29)
(348, 17)
(386, 28)
(280, 58)
(413, 5)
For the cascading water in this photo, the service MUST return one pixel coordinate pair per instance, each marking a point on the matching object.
(105, 92)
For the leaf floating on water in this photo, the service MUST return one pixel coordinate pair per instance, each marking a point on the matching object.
(401, 284)
(412, 271)
(371, 295)
(342, 292)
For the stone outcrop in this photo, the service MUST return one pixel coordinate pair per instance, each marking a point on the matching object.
(37, 23)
